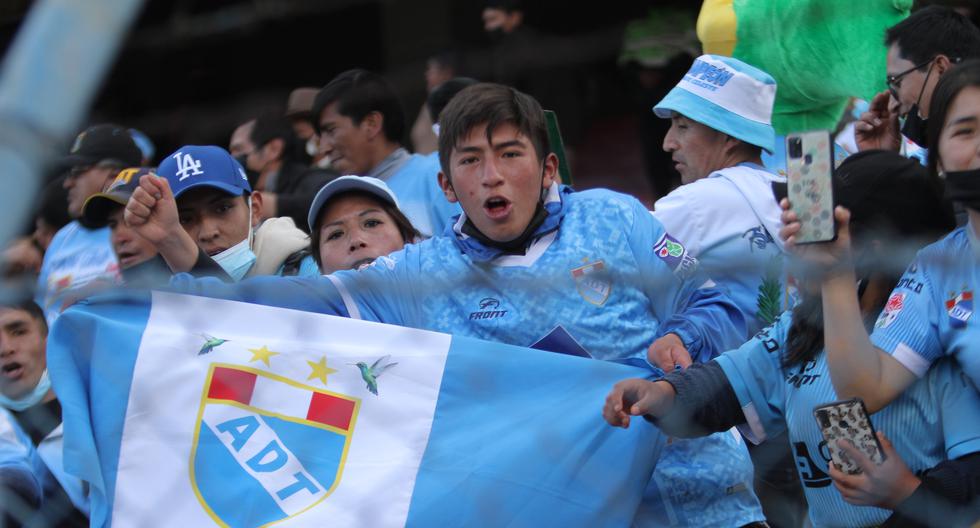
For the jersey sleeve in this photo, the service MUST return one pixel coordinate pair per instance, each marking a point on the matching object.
(908, 327)
(958, 402)
(683, 299)
(756, 376)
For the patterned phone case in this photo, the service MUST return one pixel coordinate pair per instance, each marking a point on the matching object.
(809, 183)
(848, 420)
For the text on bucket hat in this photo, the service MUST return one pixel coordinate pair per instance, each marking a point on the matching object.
(348, 183)
(203, 166)
(727, 95)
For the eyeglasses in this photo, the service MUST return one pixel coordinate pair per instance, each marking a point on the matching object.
(894, 82)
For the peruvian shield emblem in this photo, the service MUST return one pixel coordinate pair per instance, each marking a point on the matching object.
(267, 448)
(592, 281)
(960, 308)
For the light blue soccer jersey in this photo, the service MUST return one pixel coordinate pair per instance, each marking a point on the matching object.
(610, 276)
(416, 184)
(930, 313)
(937, 418)
(76, 257)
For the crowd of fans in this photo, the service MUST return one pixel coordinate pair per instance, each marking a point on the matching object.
(327, 193)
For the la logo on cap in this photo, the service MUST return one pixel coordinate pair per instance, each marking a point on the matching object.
(187, 166)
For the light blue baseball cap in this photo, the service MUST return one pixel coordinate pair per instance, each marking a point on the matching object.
(727, 95)
(193, 166)
(348, 183)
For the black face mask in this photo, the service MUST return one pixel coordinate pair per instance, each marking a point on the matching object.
(914, 127)
(964, 187)
(251, 174)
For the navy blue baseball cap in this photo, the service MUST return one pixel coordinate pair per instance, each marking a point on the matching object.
(193, 166)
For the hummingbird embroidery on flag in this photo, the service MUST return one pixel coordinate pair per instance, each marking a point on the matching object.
(210, 344)
(372, 373)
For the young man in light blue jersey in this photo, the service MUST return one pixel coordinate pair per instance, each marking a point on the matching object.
(772, 383)
(532, 261)
(361, 123)
(31, 436)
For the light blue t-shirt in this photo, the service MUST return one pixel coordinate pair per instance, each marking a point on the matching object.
(76, 257)
(930, 313)
(937, 418)
(610, 277)
(416, 184)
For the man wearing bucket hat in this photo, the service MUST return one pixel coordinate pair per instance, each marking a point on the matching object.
(725, 210)
(209, 217)
(726, 214)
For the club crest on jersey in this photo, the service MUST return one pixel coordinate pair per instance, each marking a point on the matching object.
(960, 308)
(592, 282)
(267, 442)
(187, 166)
(893, 307)
(672, 252)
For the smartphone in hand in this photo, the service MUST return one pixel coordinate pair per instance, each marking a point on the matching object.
(809, 179)
(848, 420)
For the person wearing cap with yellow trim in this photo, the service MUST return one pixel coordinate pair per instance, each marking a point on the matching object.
(139, 262)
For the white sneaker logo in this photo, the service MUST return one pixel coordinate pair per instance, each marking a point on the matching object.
(187, 166)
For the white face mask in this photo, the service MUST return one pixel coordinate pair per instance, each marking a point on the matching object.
(435, 129)
(238, 259)
(312, 146)
(30, 399)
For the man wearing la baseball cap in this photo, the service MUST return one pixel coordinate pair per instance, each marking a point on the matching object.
(725, 212)
(209, 217)
(79, 254)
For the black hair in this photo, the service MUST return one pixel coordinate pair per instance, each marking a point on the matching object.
(491, 105)
(271, 127)
(949, 86)
(405, 228)
(934, 30)
(442, 94)
(358, 93)
(892, 199)
(32, 308)
(53, 206)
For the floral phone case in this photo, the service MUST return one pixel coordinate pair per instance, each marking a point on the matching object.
(848, 420)
(809, 172)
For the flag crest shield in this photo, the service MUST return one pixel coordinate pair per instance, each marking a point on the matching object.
(267, 448)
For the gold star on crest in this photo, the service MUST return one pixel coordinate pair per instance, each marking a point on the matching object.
(320, 370)
(262, 354)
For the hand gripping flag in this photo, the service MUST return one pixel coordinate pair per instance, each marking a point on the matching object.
(188, 411)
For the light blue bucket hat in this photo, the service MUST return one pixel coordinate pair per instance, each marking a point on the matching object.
(727, 95)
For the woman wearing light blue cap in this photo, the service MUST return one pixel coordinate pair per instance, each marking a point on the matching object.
(354, 220)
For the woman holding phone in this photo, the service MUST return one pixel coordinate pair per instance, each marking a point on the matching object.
(773, 382)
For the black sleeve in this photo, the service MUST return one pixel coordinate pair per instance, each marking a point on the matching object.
(705, 402)
(947, 497)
